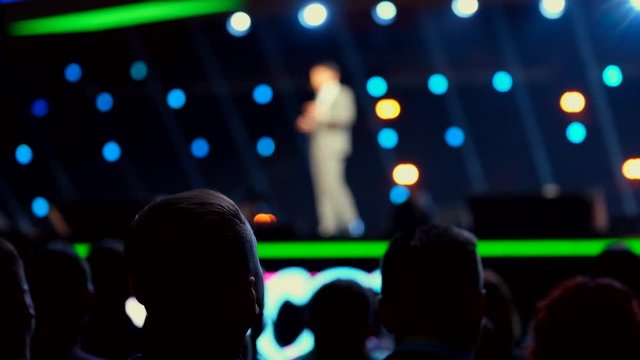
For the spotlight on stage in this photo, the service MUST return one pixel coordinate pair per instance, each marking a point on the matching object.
(552, 9)
(384, 13)
(239, 24)
(313, 15)
(464, 8)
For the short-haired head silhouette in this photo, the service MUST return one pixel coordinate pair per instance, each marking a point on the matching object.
(61, 290)
(194, 265)
(16, 309)
(339, 315)
(432, 291)
(586, 318)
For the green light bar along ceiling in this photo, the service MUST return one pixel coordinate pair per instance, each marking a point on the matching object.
(121, 16)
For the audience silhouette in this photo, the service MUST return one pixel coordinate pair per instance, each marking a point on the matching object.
(339, 315)
(194, 265)
(61, 291)
(109, 332)
(432, 293)
(585, 318)
(501, 327)
(16, 309)
(618, 262)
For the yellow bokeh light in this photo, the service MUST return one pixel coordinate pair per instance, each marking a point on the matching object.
(406, 174)
(387, 109)
(572, 102)
(631, 169)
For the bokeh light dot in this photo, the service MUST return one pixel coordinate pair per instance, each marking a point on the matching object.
(387, 138)
(438, 84)
(464, 8)
(138, 70)
(200, 148)
(502, 81)
(631, 169)
(265, 146)
(176, 98)
(239, 24)
(612, 76)
(73, 73)
(313, 15)
(576, 132)
(399, 194)
(552, 9)
(388, 109)
(40, 207)
(454, 136)
(377, 86)
(384, 13)
(111, 151)
(405, 174)
(572, 102)
(104, 102)
(40, 108)
(24, 154)
(262, 94)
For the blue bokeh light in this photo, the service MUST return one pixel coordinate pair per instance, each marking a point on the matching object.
(40, 108)
(612, 76)
(384, 13)
(399, 194)
(552, 9)
(111, 151)
(200, 148)
(104, 102)
(576, 132)
(266, 146)
(313, 15)
(73, 73)
(454, 136)
(387, 138)
(40, 207)
(138, 70)
(438, 84)
(502, 81)
(176, 98)
(262, 94)
(377, 86)
(24, 154)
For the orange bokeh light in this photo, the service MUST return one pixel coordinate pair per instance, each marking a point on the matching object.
(264, 219)
(572, 102)
(406, 174)
(631, 169)
(388, 109)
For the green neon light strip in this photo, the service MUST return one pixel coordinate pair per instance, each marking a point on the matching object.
(374, 249)
(121, 16)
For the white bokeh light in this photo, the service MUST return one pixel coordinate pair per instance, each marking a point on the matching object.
(239, 24)
(313, 15)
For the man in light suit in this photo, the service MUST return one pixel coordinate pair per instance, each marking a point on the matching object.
(328, 120)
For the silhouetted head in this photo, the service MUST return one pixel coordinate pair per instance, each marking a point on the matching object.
(108, 272)
(432, 287)
(618, 262)
(322, 73)
(16, 310)
(586, 318)
(339, 316)
(502, 323)
(194, 266)
(61, 292)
